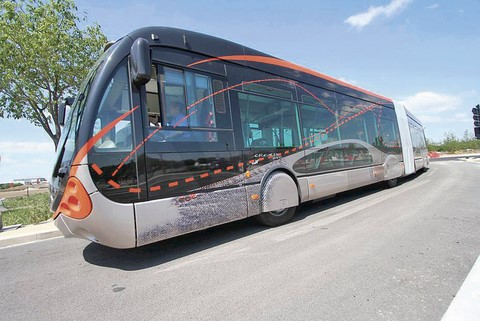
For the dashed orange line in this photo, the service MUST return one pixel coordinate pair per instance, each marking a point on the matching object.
(97, 169)
(331, 128)
(135, 190)
(114, 184)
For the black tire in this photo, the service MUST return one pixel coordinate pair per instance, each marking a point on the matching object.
(276, 218)
(391, 183)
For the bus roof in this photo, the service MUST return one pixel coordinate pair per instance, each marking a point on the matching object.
(221, 49)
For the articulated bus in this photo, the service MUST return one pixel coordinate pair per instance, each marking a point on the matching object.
(175, 131)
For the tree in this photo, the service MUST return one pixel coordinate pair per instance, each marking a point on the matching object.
(44, 55)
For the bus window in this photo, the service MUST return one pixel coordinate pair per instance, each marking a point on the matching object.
(189, 111)
(188, 99)
(199, 87)
(114, 103)
(351, 118)
(319, 116)
(173, 83)
(388, 136)
(153, 99)
(268, 122)
(318, 125)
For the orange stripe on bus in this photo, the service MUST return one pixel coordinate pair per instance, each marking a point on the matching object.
(173, 184)
(114, 184)
(217, 171)
(229, 168)
(251, 161)
(155, 188)
(204, 175)
(240, 164)
(97, 169)
(261, 159)
(188, 180)
(92, 141)
(289, 65)
(135, 190)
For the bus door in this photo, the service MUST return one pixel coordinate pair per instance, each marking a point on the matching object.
(193, 173)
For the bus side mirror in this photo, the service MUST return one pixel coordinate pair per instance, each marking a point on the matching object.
(62, 107)
(140, 61)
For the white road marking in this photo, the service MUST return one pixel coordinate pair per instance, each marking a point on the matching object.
(466, 304)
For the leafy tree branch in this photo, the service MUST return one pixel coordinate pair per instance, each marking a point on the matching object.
(44, 55)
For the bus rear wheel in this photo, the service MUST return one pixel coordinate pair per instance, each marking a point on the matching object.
(391, 182)
(278, 217)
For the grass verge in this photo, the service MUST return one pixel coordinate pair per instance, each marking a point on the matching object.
(27, 210)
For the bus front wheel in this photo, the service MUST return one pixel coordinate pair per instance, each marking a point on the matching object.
(278, 217)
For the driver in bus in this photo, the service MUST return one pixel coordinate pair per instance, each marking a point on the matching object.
(175, 117)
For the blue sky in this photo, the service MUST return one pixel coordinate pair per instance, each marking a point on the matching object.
(423, 53)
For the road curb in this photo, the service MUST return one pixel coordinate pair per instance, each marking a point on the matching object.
(29, 233)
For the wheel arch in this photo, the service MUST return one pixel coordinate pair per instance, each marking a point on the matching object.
(277, 190)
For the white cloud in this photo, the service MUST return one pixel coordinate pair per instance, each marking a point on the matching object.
(463, 117)
(25, 159)
(430, 119)
(363, 19)
(26, 147)
(428, 102)
(433, 6)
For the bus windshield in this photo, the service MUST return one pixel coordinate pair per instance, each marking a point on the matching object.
(66, 146)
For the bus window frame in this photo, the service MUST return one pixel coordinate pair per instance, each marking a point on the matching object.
(153, 145)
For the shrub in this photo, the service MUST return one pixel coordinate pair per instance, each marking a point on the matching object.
(27, 210)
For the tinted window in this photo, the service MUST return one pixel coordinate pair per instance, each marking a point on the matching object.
(418, 139)
(319, 119)
(115, 102)
(268, 122)
(190, 111)
(335, 157)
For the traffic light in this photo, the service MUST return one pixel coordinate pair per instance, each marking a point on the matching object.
(476, 121)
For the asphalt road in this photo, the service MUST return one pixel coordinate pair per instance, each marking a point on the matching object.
(370, 254)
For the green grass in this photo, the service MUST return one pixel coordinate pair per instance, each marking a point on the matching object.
(27, 210)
